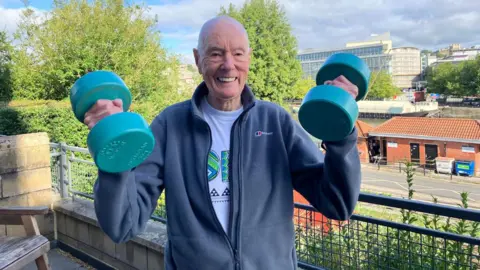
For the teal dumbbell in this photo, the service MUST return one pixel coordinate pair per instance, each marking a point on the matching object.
(328, 112)
(118, 142)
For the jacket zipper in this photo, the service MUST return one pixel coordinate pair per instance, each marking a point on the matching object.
(239, 210)
(233, 250)
(232, 201)
(219, 225)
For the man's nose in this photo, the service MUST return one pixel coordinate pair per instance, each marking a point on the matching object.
(229, 61)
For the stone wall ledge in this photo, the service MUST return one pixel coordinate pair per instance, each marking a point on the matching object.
(154, 236)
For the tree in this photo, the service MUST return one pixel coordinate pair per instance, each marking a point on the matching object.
(381, 85)
(469, 78)
(5, 67)
(302, 87)
(274, 69)
(79, 36)
(442, 78)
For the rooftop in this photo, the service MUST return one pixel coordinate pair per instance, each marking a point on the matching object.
(449, 129)
(363, 128)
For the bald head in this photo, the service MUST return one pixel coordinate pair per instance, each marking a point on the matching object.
(215, 26)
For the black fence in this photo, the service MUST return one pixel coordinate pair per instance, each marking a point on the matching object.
(384, 232)
(372, 243)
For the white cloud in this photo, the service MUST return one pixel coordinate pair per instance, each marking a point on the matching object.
(429, 24)
(426, 24)
(10, 18)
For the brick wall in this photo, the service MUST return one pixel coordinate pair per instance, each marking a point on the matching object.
(363, 149)
(25, 178)
(450, 149)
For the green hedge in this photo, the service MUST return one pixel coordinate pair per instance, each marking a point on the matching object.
(55, 118)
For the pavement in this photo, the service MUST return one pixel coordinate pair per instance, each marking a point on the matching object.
(395, 183)
(61, 260)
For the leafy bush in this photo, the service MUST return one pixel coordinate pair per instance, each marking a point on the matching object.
(57, 119)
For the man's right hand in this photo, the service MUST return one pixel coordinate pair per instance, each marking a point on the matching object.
(102, 109)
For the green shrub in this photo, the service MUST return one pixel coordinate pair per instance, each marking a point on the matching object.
(60, 123)
(55, 118)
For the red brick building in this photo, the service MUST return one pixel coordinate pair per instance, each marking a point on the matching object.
(362, 142)
(420, 139)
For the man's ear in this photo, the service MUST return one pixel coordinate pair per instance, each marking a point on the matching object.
(196, 55)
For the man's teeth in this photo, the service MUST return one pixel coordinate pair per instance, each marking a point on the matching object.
(226, 79)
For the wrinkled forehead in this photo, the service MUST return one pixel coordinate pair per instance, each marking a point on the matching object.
(226, 37)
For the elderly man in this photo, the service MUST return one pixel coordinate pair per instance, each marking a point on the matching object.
(229, 164)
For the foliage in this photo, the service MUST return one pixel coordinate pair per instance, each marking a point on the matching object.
(5, 67)
(461, 79)
(381, 86)
(274, 69)
(409, 170)
(302, 87)
(57, 119)
(79, 36)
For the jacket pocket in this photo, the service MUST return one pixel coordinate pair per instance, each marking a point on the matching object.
(205, 253)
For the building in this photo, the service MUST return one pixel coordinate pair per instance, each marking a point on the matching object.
(403, 63)
(406, 66)
(374, 52)
(362, 141)
(454, 54)
(458, 56)
(374, 40)
(421, 140)
(427, 59)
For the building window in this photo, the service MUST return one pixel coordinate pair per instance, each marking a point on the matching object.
(392, 144)
(468, 149)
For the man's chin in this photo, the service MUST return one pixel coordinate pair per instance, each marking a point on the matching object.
(227, 93)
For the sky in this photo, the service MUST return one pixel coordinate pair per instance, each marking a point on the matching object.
(322, 24)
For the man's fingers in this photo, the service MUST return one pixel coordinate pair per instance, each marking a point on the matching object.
(118, 102)
(99, 105)
(342, 79)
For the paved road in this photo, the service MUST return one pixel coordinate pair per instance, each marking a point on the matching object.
(395, 183)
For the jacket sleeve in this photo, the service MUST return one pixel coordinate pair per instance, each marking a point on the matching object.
(330, 182)
(125, 201)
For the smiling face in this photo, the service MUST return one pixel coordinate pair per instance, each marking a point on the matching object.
(223, 59)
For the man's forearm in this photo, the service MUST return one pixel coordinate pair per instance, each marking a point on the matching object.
(341, 176)
(330, 183)
(123, 206)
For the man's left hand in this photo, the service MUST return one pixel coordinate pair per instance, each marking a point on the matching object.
(345, 84)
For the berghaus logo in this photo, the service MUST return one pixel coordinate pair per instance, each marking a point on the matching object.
(262, 133)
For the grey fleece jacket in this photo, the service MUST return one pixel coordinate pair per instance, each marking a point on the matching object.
(264, 171)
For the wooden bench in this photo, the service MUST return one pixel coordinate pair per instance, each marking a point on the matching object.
(17, 252)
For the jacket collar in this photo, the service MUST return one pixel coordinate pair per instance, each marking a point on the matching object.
(247, 97)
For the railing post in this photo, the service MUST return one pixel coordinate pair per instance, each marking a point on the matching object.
(63, 171)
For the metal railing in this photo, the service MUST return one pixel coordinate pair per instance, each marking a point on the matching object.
(384, 232)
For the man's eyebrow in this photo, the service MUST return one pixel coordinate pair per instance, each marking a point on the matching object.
(214, 48)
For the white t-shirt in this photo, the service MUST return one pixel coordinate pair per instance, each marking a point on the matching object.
(220, 123)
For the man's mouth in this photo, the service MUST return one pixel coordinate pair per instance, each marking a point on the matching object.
(226, 79)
